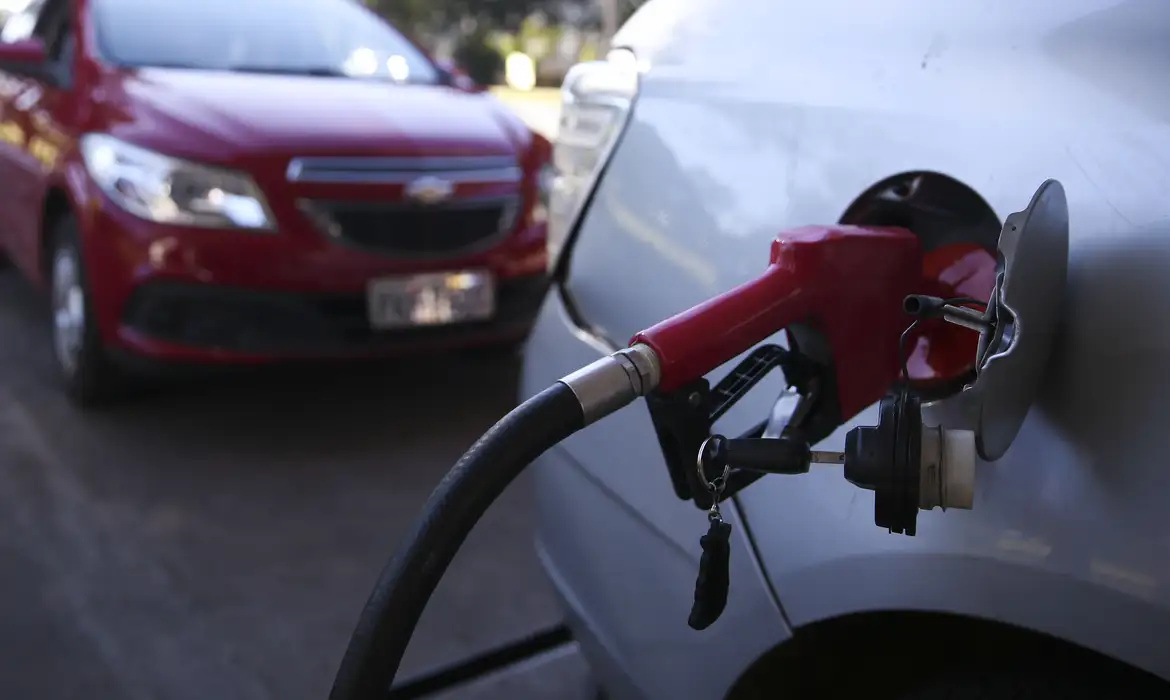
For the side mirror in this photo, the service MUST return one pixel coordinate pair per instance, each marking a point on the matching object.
(456, 78)
(26, 56)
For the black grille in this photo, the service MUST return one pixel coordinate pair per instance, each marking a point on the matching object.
(416, 230)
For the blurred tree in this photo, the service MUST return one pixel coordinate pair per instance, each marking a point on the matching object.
(493, 14)
(409, 16)
(427, 16)
(537, 37)
(482, 32)
(482, 61)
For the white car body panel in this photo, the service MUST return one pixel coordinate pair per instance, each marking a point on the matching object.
(760, 115)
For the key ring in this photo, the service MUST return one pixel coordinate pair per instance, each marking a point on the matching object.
(716, 485)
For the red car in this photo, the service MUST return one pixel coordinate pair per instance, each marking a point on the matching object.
(236, 182)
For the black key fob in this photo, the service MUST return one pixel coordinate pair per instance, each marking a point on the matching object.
(714, 580)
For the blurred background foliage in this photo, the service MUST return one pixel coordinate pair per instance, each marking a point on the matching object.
(478, 34)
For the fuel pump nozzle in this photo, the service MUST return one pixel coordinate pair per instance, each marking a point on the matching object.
(838, 289)
(839, 294)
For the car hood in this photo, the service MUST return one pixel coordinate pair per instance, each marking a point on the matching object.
(304, 115)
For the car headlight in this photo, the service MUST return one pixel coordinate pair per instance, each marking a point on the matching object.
(596, 100)
(169, 190)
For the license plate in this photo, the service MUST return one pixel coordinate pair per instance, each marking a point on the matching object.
(431, 299)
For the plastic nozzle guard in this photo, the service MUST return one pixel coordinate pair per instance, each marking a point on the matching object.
(846, 282)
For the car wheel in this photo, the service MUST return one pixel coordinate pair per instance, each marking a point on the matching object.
(507, 350)
(87, 375)
(1062, 684)
(506, 353)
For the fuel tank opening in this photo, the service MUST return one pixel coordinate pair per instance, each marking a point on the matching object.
(959, 233)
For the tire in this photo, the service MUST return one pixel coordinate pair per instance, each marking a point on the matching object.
(508, 351)
(88, 378)
(1066, 683)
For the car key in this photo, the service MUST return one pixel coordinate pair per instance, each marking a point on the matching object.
(714, 580)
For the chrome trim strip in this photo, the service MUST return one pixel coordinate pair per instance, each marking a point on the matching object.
(379, 170)
(506, 176)
(378, 205)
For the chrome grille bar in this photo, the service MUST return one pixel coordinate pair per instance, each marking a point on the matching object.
(401, 170)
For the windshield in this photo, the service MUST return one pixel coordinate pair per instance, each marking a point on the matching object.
(305, 37)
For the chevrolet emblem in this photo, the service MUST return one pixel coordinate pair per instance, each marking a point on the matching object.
(429, 189)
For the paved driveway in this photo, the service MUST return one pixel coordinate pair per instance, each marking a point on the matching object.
(218, 539)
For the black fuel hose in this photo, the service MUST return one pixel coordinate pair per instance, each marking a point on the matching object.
(406, 584)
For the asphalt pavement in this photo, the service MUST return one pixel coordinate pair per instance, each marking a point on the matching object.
(216, 538)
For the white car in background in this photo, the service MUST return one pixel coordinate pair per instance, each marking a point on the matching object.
(717, 124)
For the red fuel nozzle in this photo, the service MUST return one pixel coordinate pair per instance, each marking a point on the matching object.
(845, 282)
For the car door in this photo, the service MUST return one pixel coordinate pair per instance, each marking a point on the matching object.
(42, 108)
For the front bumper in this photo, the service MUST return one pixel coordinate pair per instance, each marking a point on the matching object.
(168, 293)
(185, 321)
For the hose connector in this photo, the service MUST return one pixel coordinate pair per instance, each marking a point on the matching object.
(614, 381)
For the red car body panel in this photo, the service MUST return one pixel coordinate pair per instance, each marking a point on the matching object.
(256, 124)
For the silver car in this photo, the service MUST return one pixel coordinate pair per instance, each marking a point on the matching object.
(716, 124)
